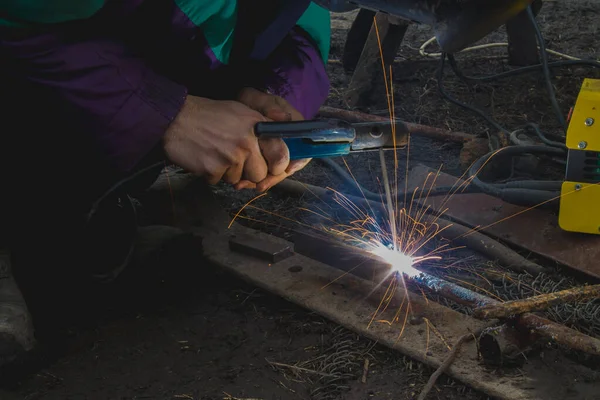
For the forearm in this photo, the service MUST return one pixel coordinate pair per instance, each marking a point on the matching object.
(115, 97)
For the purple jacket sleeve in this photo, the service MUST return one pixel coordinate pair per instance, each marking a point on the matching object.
(296, 72)
(115, 96)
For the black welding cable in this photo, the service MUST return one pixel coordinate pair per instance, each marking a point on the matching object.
(119, 184)
(530, 125)
(518, 71)
(475, 110)
(545, 67)
(516, 191)
(417, 193)
(523, 193)
(513, 72)
(543, 137)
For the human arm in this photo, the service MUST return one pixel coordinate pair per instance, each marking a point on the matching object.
(127, 108)
(296, 81)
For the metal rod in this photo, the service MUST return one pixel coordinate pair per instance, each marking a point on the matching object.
(388, 196)
(413, 129)
(537, 303)
(543, 327)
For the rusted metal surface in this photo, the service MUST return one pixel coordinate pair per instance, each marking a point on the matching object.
(350, 302)
(346, 301)
(505, 346)
(475, 241)
(531, 229)
(538, 303)
(337, 255)
(412, 128)
(267, 250)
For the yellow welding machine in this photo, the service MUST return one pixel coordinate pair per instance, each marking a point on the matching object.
(580, 194)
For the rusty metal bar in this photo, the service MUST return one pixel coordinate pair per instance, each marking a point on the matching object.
(412, 128)
(541, 326)
(344, 300)
(537, 303)
(460, 234)
(266, 250)
(350, 302)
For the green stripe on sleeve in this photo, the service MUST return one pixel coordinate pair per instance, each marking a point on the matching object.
(217, 18)
(317, 23)
(32, 12)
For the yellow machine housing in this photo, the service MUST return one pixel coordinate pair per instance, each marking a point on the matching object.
(580, 195)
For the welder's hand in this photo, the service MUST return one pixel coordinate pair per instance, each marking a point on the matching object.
(215, 139)
(274, 150)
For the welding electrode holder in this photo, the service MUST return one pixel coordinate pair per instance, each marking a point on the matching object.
(321, 138)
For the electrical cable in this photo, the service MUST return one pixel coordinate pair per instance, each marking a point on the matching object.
(401, 196)
(520, 70)
(543, 137)
(526, 193)
(523, 193)
(440, 82)
(119, 184)
(545, 68)
(483, 46)
(484, 78)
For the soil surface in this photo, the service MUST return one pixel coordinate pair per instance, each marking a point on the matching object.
(180, 329)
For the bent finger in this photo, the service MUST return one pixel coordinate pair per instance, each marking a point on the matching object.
(244, 184)
(276, 153)
(255, 167)
(233, 174)
(270, 181)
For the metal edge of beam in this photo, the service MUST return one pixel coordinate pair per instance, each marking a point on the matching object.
(344, 302)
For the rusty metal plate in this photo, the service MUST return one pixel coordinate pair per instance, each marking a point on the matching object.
(267, 250)
(533, 230)
(350, 302)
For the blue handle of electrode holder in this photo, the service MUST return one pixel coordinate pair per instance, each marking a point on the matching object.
(299, 149)
(312, 138)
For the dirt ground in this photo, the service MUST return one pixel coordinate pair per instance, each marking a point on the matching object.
(180, 329)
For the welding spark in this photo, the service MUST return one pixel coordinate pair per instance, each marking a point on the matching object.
(399, 262)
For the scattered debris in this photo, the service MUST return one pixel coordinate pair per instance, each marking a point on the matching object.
(445, 365)
(363, 379)
(230, 397)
